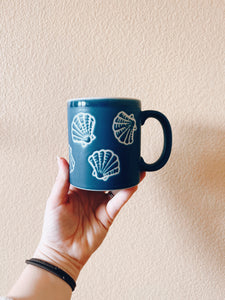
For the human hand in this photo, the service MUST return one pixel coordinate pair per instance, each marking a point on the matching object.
(76, 222)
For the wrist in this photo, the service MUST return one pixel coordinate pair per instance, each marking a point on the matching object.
(59, 259)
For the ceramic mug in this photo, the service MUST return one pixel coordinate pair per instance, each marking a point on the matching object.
(104, 142)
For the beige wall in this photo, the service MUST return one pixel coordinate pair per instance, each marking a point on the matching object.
(169, 241)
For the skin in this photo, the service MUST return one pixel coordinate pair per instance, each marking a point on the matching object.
(75, 224)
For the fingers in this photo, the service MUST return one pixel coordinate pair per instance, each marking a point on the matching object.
(117, 202)
(118, 198)
(59, 193)
(142, 175)
(107, 211)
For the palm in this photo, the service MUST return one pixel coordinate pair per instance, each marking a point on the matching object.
(77, 221)
(79, 225)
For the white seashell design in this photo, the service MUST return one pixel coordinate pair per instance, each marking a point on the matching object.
(124, 126)
(82, 128)
(105, 163)
(71, 160)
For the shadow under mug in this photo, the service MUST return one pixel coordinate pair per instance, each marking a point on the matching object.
(105, 142)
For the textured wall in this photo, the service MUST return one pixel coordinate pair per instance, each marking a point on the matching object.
(169, 241)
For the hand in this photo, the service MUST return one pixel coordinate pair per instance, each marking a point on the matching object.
(76, 222)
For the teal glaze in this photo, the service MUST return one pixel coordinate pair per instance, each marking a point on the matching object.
(104, 141)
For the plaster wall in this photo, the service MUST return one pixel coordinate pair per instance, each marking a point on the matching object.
(169, 240)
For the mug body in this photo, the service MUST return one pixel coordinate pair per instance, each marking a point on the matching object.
(104, 143)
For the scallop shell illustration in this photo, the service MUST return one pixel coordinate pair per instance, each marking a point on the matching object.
(71, 160)
(82, 128)
(105, 163)
(124, 126)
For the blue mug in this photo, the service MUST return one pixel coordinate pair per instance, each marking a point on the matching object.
(105, 141)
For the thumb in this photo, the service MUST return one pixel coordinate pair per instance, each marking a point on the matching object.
(59, 193)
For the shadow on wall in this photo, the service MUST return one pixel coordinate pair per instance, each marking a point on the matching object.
(197, 186)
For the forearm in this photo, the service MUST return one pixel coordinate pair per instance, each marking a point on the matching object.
(37, 284)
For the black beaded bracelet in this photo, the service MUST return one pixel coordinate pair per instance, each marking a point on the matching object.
(53, 269)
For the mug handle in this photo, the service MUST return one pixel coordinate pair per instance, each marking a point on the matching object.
(167, 134)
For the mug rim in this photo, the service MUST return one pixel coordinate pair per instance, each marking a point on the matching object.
(101, 98)
(103, 101)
